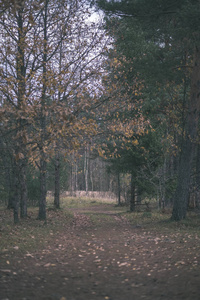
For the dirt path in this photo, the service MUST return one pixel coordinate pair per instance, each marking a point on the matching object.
(109, 260)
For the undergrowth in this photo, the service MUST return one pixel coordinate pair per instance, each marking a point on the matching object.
(31, 234)
(156, 220)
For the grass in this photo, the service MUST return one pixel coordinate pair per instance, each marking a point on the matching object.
(99, 219)
(161, 222)
(76, 202)
(31, 234)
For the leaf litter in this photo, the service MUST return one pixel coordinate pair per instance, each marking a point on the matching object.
(87, 257)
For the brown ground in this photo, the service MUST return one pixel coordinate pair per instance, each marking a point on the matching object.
(109, 260)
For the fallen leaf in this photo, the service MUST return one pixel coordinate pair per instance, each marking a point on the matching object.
(123, 264)
(29, 255)
(47, 265)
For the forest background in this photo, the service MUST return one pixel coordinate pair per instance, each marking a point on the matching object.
(105, 106)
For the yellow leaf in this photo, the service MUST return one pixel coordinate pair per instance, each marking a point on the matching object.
(135, 142)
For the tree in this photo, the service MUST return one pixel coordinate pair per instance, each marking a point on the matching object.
(170, 53)
(13, 71)
(46, 90)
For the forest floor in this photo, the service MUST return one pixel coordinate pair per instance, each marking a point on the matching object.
(97, 252)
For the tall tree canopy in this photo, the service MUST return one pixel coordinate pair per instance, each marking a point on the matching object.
(49, 66)
(162, 39)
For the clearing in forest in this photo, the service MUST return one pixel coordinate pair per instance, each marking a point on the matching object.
(99, 251)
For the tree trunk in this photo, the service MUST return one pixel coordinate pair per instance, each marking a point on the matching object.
(86, 168)
(91, 178)
(10, 182)
(138, 196)
(73, 178)
(132, 200)
(197, 192)
(23, 191)
(43, 159)
(16, 196)
(187, 153)
(20, 147)
(119, 189)
(182, 190)
(57, 179)
(43, 190)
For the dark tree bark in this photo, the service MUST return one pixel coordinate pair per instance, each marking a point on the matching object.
(9, 173)
(132, 200)
(197, 192)
(57, 179)
(20, 147)
(185, 166)
(43, 189)
(86, 168)
(43, 158)
(23, 189)
(16, 195)
(119, 189)
(182, 191)
(74, 176)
